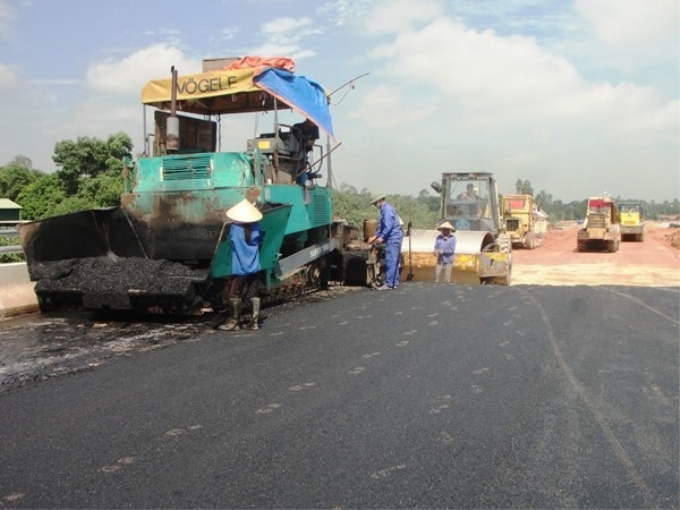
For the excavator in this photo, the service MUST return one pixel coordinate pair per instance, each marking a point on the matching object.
(469, 201)
(164, 249)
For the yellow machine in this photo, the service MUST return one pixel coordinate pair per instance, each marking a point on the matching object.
(601, 228)
(524, 222)
(632, 226)
(469, 201)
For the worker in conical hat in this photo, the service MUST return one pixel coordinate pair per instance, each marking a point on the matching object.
(444, 250)
(244, 212)
(245, 238)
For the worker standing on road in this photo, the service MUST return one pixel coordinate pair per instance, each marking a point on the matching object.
(390, 233)
(245, 237)
(444, 250)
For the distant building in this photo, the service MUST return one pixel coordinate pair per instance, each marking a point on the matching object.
(10, 213)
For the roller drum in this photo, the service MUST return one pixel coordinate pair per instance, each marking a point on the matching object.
(420, 261)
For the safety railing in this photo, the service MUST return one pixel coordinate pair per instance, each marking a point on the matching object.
(10, 250)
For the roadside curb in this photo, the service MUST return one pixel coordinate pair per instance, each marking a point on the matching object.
(17, 296)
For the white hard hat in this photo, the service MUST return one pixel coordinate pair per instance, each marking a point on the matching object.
(377, 198)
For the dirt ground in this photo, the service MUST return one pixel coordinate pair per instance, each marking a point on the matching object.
(655, 262)
(38, 347)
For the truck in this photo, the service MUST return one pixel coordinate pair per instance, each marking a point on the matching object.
(483, 249)
(164, 248)
(601, 228)
(632, 224)
(524, 221)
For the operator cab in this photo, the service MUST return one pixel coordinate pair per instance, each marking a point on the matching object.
(469, 201)
(282, 149)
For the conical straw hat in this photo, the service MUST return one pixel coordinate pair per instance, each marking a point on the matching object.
(244, 212)
(448, 225)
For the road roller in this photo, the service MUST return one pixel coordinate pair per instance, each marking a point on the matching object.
(470, 203)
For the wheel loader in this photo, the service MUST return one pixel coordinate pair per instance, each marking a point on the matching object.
(601, 229)
(165, 248)
(469, 201)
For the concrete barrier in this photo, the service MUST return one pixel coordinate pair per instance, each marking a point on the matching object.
(16, 290)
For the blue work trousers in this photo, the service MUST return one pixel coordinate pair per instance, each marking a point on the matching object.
(392, 253)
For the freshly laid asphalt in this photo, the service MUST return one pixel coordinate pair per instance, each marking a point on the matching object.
(430, 396)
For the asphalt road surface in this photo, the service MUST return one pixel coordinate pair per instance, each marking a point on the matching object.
(430, 396)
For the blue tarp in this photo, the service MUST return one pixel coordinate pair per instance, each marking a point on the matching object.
(302, 94)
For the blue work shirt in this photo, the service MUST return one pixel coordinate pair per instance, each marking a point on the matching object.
(245, 258)
(389, 229)
(448, 247)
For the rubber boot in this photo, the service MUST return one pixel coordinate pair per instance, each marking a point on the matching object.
(233, 323)
(254, 324)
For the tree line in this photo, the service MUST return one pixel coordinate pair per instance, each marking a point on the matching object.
(89, 175)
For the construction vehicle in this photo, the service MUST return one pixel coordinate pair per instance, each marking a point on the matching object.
(632, 226)
(165, 248)
(601, 229)
(524, 221)
(483, 250)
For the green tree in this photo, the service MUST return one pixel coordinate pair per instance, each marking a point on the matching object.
(89, 157)
(10, 257)
(40, 198)
(102, 191)
(544, 200)
(524, 187)
(16, 176)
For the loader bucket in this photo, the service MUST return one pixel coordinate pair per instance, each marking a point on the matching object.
(474, 261)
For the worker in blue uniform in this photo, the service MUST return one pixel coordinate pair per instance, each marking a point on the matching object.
(245, 237)
(444, 250)
(391, 234)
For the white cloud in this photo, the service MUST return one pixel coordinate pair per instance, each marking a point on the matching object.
(382, 113)
(285, 37)
(638, 39)
(294, 28)
(8, 76)
(109, 102)
(340, 12)
(229, 34)
(632, 23)
(522, 88)
(129, 74)
(399, 15)
(505, 104)
(7, 16)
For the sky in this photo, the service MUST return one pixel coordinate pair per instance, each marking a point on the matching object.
(579, 97)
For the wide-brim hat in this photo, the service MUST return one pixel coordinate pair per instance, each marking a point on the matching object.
(448, 225)
(244, 212)
(377, 198)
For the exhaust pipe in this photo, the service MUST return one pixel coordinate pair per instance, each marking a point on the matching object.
(172, 125)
